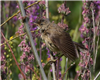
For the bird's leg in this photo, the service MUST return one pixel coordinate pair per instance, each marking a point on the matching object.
(54, 60)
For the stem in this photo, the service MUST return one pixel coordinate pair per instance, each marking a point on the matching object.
(93, 41)
(32, 42)
(16, 37)
(62, 20)
(67, 70)
(96, 54)
(17, 13)
(40, 53)
(14, 56)
(47, 9)
(33, 71)
(53, 68)
(95, 33)
(97, 76)
(57, 72)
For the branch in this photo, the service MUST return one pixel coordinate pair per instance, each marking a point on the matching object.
(57, 71)
(17, 13)
(33, 71)
(16, 37)
(67, 70)
(93, 41)
(97, 76)
(47, 9)
(31, 41)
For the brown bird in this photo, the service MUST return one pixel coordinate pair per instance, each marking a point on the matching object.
(57, 40)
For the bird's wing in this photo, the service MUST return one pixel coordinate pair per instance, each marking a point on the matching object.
(65, 44)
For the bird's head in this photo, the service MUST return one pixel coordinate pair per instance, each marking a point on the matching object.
(41, 23)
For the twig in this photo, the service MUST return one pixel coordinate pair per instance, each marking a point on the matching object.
(63, 16)
(85, 69)
(16, 37)
(57, 71)
(96, 50)
(97, 76)
(14, 57)
(93, 41)
(17, 13)
(30, 69)
(32, 4)
(40, 50)
(96, 47)
(47, 9)
(33, 71)
(31, 41)
(67, 70)
(76, 77)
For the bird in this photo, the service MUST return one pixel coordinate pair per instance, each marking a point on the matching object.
(57, 39)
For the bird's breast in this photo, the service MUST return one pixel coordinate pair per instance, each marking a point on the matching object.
(49, 43)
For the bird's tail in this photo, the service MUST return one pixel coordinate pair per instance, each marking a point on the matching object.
(78, 45)
(81, 47)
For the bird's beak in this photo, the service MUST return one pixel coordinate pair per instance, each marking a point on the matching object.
(36, 24)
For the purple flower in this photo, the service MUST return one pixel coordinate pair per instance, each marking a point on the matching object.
(50, 70)
(63, 9)
(82, 29)
(34, 29)
(27, 49)
(98, 2)
(81, 64)
(23, 56)
(62, 25)
(20, 77)
(82, 54)
(42, 3)
(43, 64)
(31, 57)
(2, 67)
(22, 44)
(26, 69)
(24, 1)
(87, 34)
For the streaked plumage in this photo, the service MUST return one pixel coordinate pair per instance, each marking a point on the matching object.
(56, 39)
